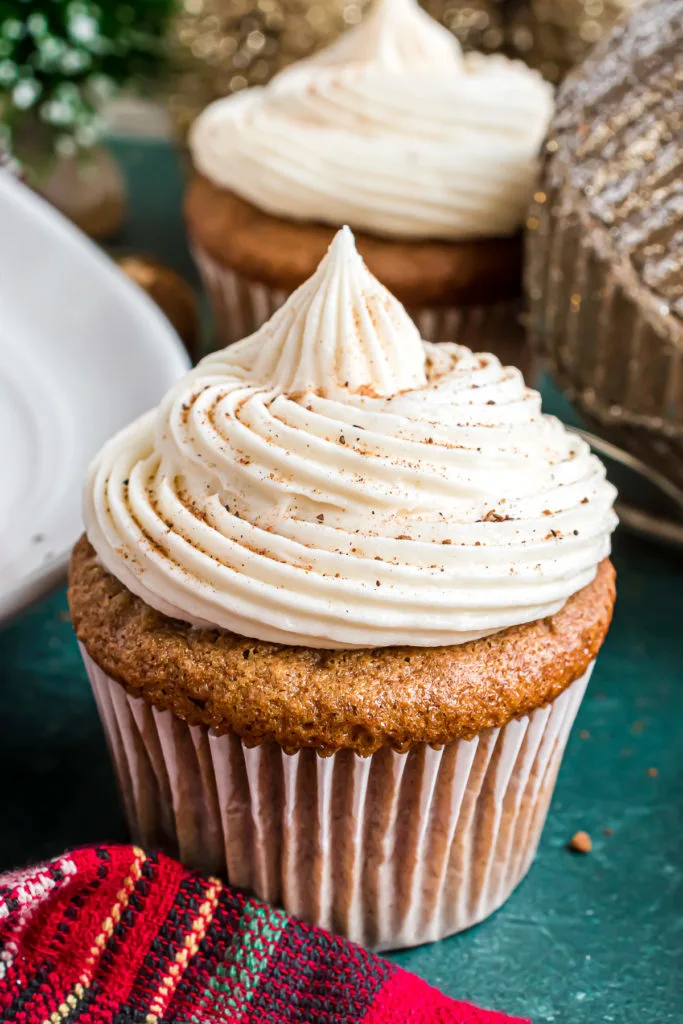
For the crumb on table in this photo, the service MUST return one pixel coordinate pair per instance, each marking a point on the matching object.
(580, 842)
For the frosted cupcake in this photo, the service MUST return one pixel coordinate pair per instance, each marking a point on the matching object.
(428, 154)
(339, 600)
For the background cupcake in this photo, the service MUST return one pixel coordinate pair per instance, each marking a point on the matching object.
(428, 154)
(258, 548)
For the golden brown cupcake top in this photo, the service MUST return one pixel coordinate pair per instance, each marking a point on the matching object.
(361, 700)
(282, 253)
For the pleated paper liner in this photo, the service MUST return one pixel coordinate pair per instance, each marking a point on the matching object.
(240, 306)
(391, 850)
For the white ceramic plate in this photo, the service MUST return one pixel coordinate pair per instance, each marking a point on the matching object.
(82, 352)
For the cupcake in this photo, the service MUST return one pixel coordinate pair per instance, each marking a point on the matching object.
(606, 242)
(339, 599)
(429, 155)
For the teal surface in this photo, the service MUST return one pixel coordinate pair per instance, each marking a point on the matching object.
(595, 938)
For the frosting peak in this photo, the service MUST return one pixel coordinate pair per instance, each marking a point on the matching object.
(398, 36)
(333, 481)
(390, 129)
(341, 330)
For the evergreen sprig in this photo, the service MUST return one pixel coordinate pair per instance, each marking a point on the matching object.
(59, 59)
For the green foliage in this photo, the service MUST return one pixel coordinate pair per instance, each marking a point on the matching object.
(59, 59)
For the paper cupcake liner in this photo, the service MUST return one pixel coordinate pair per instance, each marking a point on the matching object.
(608, 348)
(390, 850)
(240, 306)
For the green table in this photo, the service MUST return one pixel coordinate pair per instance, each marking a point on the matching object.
(584, 939)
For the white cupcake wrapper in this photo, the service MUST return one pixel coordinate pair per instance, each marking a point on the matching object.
(240, 306)
(390, 850)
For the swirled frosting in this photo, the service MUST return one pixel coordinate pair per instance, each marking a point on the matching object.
(391, 130)
(334, 481)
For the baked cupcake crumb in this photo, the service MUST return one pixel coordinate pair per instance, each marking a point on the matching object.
(580, 842)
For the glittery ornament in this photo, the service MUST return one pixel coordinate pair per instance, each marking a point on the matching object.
(604, 272)
(553, 35)
(171, 293)
(89, 190)
(221, 46)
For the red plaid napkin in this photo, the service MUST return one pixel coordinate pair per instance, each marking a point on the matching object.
(117, 935)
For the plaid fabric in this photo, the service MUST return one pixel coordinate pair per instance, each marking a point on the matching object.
(117, 935)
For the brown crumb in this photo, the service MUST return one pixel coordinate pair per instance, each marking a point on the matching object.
(580, 842)
(607, 831)
(494, 517)
(653, 773)
(584, 734)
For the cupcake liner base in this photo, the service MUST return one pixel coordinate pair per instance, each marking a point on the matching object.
(391, 850)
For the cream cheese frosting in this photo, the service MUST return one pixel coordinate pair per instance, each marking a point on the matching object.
(391, 130)
(335, 481)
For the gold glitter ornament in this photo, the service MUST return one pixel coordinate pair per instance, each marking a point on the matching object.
(604, 269)
(220, 46)
(171, 293)
(554, 35)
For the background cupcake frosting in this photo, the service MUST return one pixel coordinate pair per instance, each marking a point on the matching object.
(334, 454)
(391, 129)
